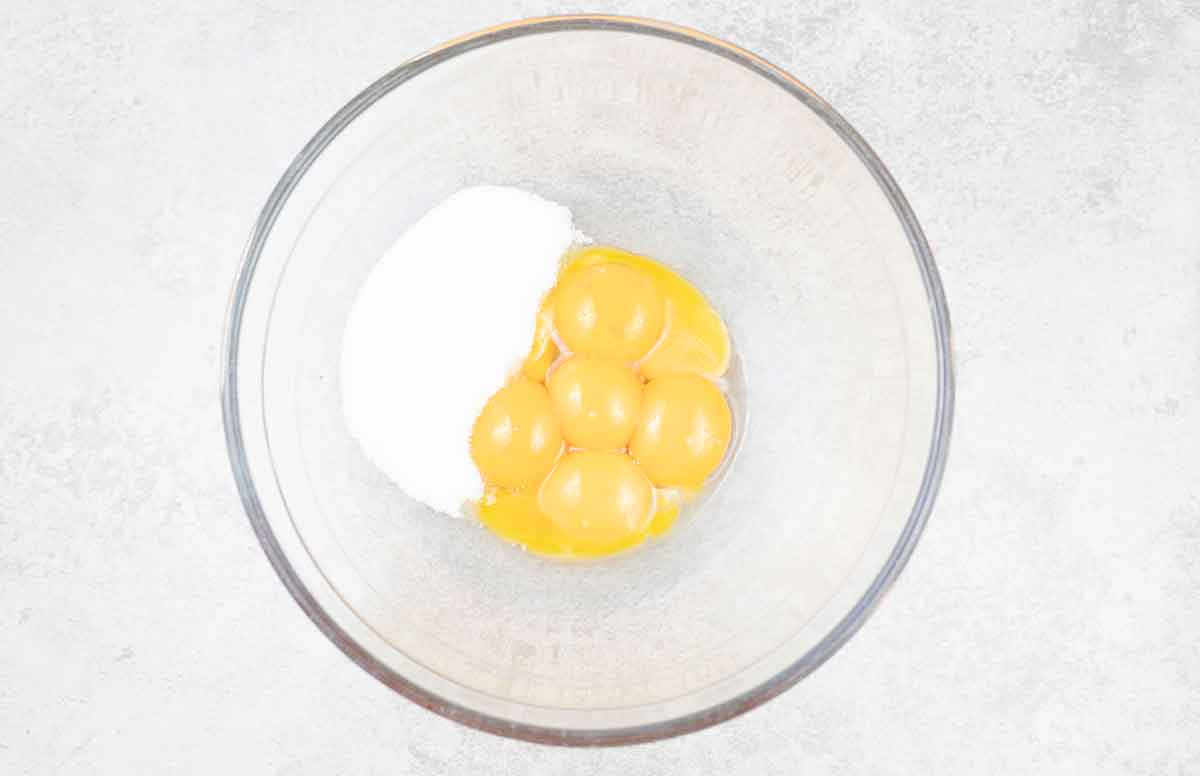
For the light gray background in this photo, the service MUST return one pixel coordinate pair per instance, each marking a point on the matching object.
(1049, 619)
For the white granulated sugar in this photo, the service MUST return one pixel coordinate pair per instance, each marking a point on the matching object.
(443, 319)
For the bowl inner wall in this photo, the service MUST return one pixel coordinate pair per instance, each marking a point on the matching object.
(672, 151)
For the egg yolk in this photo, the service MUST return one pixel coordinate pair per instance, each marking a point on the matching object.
(516, 438)
(694, 339)
(517, 517)
(596, 401)
(683, 431)
(609, 311)
(636, 451)
(599, 500)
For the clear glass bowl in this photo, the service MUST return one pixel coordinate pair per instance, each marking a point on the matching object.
(670, 143)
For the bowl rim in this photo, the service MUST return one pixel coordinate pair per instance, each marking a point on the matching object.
(750, 699)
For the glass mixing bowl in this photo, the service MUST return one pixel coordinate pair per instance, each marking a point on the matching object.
(664, 141)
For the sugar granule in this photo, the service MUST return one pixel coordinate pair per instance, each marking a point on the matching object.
(440, 322)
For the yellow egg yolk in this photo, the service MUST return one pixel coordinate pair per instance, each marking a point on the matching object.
(683, 431)
(599, 500)
(609, 311)
(518, 517)
(596, 401)
(635, 451)
(516, 439)
(695, 338)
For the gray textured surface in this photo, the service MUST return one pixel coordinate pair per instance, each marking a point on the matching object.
(1049, 620)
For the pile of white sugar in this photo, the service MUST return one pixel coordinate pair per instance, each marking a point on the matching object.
(443, 319)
